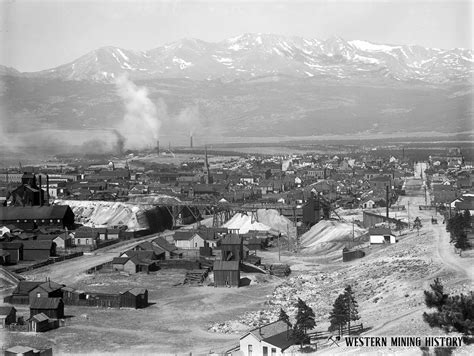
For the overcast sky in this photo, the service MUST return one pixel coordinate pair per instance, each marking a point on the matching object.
(36, 35)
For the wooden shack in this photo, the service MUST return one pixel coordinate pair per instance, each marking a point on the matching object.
(134, 298)
(39, 323)
(7, 315)
(52, 307)
(226, 273)
(232, 248)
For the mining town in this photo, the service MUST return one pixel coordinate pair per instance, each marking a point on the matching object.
(225, 248)
(236, 178)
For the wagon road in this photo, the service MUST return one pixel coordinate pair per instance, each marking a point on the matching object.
(462, 267)
(69, 271)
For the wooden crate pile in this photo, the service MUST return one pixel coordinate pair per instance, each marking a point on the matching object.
(195, 276)
(280, 270)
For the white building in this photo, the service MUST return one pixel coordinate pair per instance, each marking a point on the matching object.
(381, 235)
(270, 340)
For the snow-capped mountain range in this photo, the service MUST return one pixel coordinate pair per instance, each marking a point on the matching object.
(254, 55)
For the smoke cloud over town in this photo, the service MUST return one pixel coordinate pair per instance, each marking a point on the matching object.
(141, 123)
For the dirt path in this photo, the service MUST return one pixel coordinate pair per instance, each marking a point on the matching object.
(70, 271)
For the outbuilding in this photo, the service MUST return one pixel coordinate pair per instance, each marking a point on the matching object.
(134, 298)
(7, 315)
(39, 323)
(52, 307)
(226, 273)
(381, 235)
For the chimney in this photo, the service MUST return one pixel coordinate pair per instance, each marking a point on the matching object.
(386, 188)
(191, 141)
(158, 147)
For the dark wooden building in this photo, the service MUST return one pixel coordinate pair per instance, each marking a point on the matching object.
(21, 294)
(134, 298)
(52, 307)
(48, 289)
(7, 315)
(226, 273)
(14, 249)
(30, 217)
(232, 248)
(37, 250)
(39, 323)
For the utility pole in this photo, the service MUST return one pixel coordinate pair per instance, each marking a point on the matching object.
(279, 252)
(408, 211)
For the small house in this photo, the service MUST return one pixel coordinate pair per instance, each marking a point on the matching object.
(381, 235)
(270, 339)
(38, 250)
(188, 240)
(48, 289)
(134, 298)
(52, 307)
(86, 236)
(226, 273)
(21, 294)
(7, 315)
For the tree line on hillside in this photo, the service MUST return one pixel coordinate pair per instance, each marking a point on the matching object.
(457, 226)
(345, 311)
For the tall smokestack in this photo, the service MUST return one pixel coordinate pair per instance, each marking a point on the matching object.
(191, 141)
(158, 147)
(387, 199)
(47, 189)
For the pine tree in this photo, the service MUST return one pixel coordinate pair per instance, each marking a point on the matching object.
(453, 313)
(352, 306)
(284, 317)
(338, 315)
(345, 310)
(436, 298)
(305, 320)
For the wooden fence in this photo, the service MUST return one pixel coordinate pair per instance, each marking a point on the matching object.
(49, 261)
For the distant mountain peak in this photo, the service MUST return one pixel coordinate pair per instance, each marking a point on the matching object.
(251, 55)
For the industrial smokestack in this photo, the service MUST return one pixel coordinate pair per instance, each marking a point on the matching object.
(158, 147)
(387, 200)
(47, 189)
(191, 141)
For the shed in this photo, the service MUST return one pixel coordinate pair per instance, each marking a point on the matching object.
(7, 315)
(52, 307)
(15, 249)
(226, 273)
(381, 235)
(39, 323)
(134, 298)
(38, 250)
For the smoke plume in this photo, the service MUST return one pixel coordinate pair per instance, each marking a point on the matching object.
(120, 143)
(140, 125)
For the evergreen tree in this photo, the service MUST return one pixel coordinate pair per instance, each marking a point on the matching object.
(453, 313)
(338, 315)
(284, 317)
(345, 310)
(436, 298)
(304, 320)
(352, 306)
(462, 242)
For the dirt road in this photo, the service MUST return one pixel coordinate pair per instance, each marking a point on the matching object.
(70, 271)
